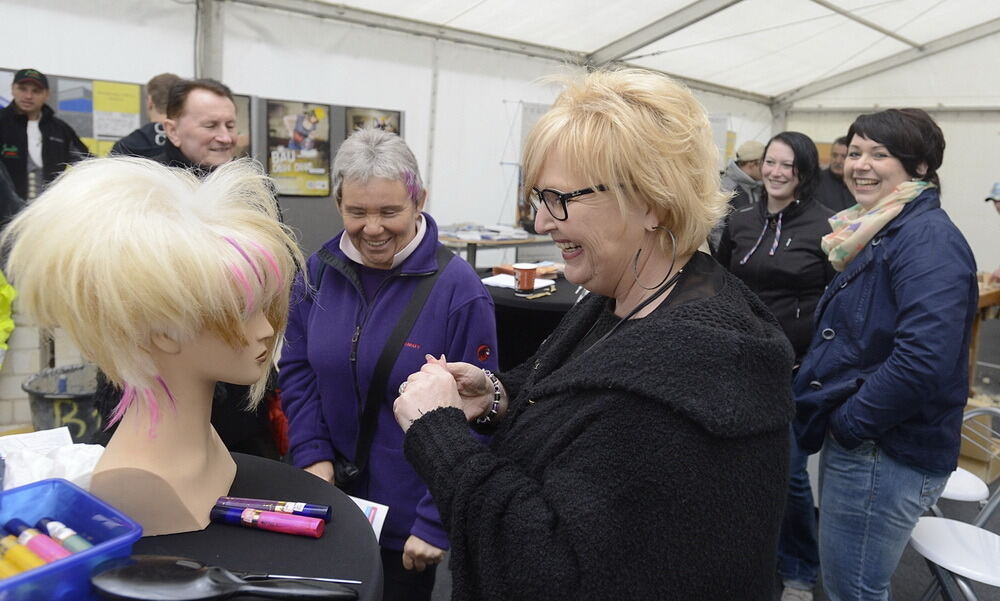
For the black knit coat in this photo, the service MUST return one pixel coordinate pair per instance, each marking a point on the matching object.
(652, 466)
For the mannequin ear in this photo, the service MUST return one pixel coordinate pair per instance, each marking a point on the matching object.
(166, 344)
(922, 169)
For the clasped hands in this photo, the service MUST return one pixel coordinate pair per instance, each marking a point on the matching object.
(442, 384)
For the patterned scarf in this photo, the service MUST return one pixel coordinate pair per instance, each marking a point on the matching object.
(853, 228)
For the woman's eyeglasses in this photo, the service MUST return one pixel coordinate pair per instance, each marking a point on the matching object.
(555, 201)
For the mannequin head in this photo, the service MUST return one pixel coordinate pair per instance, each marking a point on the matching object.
(131, 257)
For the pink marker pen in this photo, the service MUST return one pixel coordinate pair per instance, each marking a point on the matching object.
(269, 520)
(41, 544)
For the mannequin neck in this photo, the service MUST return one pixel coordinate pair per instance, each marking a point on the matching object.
(183, 425)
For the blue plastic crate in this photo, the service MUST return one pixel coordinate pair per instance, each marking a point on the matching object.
(110, 530)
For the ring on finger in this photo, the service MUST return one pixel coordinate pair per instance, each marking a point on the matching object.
(402, 387)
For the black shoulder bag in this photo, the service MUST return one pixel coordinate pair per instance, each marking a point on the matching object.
(345, 471)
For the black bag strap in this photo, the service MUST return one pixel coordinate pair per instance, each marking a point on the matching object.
(326, 258)
(376, 388)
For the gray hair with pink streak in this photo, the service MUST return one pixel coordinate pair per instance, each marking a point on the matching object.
(372, 153)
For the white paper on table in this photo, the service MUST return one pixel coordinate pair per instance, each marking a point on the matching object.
(45, 454)
(40, 441)
(374, 513)
(503, 280)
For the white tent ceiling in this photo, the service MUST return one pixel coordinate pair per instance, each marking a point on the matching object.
(766, 50)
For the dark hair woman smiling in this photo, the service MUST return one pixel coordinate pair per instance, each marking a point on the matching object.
(883, 385)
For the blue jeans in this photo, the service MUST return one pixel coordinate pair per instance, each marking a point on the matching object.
(798, 555)
(869, 504)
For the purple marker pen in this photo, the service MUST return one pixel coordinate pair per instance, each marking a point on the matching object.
(323, 512)
(269, 520)
(41, 544)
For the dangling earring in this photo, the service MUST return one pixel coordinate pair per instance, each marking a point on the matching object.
(673, 258)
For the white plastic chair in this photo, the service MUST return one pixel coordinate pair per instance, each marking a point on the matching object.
(932, 537)
(963, 485)
(957, 552)
(984, 437)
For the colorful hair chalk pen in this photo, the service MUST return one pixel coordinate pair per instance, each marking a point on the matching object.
(269, 520)
(45, 547)
(8, 569)
(22, 557)
(323, 512)
(64, 535)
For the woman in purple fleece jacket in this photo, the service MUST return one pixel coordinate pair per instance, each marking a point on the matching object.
(336, 334)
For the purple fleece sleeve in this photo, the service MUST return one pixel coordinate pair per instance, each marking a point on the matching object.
(308, 439)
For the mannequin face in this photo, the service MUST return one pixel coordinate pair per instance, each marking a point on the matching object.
(208, 357)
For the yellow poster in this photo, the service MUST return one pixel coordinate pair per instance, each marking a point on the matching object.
(104, 147)
(116, 109)
(116, 97)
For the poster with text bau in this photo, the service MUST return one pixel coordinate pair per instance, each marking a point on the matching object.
(298, 147)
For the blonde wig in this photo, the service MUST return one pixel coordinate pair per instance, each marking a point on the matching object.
(118, 250)
(645, 137)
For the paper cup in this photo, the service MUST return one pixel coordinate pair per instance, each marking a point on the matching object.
(524, 273)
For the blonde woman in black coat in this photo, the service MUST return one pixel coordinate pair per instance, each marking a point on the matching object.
(642, 452)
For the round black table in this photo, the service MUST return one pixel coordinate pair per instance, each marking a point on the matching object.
(347, 549)
(522, 324)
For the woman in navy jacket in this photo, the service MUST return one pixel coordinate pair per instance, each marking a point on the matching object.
(883, 385)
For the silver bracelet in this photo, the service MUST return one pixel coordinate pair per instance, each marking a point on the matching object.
(494, 409)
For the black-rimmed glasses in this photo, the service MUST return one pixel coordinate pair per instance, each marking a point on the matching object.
(555, 201)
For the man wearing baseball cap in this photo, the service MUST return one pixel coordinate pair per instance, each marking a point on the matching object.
(742, 178)
(994, 196)
(35, 145)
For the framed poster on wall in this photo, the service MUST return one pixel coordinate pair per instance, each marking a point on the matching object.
(362, 118)
(298, 147)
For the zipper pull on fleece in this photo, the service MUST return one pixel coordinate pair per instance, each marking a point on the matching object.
(354, 343)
